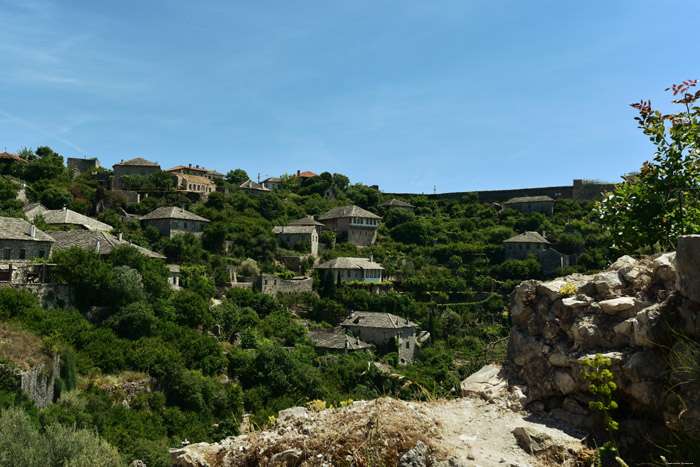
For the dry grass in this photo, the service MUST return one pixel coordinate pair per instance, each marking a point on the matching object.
(21, 347)
(365, 434)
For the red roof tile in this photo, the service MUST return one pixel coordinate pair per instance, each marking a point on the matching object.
(7, 155)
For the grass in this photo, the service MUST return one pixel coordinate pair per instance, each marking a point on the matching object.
(21, 347)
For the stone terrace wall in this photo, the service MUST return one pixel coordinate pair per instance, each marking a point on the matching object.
(272, 285)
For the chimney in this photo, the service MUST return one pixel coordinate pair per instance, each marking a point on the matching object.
(119, 236)
(64, 207)
(97, 246)
(347, 344)
(32, 230)
(197, 165)
(298, 172)
(190, 165)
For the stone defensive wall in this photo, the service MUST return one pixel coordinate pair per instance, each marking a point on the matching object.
(580, 190)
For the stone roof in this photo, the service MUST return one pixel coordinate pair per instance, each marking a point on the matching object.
(395, 203)
(273, 180)
(86, 240)
(8, 156)
(348, 211)
(527, 237)
(308, 220)
(251, 185)
(14, 228)
(335, 341)
(370, 319)
(529, 199)
(32, 209)
(183, 167)
(350, 263)
(293, 229)
(215, 173)
(66, 216)
(138, 161)
(195, 178)
(173, 212)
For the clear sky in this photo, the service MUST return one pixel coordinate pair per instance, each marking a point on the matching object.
(411, 95)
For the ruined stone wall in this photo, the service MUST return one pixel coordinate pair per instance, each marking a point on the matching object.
(38, 382)
(272, 285)
(50, 295)
(628, 313)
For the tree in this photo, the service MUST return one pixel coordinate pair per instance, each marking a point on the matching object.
(236, 177)
(662, 202)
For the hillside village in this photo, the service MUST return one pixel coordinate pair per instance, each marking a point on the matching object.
(192, 297)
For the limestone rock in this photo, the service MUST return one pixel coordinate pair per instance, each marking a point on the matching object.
(564, 382)
(644, 324)
(617, 305)
(489, 382)
(623, 262)
(290, 457)
(532, 441)
(607, 284)
(416, 457)
(551, 289)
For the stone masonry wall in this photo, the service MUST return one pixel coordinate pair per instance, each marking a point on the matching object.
(272, 285)
(629, 313)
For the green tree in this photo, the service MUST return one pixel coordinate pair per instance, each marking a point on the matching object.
(653, 208)
(85, 272)
(237, 176)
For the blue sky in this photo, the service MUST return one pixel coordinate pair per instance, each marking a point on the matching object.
(410, 95)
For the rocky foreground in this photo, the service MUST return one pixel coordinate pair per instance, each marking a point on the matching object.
(635, 313)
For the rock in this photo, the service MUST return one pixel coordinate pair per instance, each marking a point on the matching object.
(617, 305)
(584, 331)
(521, 302)
(564, 382)
(572, 418)
(623, 262)
(644, 324)
(688, 266)
(138, 463)
(571, 405)
(664, 268)
(644, 392)
(415, 457)
(625, 328)
(559, 359)
(607, 284)
(452, 462)
(644, 366)
(293, 414)
(575, 303)
(551, 289)
(290, 457)
(488, 382)
(531, 441)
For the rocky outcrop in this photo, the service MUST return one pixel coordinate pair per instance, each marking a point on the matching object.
(630, 314)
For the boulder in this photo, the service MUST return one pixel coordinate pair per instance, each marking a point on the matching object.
(607, 284)
(415, 457)
(489, 382)
(644, 324)
(564, 382)
(623, 262)
(532, 441)
(617, 305)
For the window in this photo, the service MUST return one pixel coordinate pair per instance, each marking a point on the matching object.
(185, 224)
(408, 345)
(386, 335)
(6, 254)
(22, 253)
(41, 253)
(175, 224)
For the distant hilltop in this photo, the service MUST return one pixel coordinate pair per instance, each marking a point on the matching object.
(580, 190)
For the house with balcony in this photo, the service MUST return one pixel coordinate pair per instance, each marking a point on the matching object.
(359, 225)
(188, 183)
(352, 270)
(196, 170)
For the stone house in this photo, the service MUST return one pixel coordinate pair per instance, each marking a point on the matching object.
(396, 204)
(189, 183)
(136, 166)
(196, 170)
(305, 174)
(289, 235)
(31, 210)
(380, 328)
(337, 342)
(6, 157)
(171, 220)
(272, 183)
(308, 221)
(359, 225)
(272, 285)
(66, 217)
(352, 269)
(528, 204)
(250, 187)
(526, 243)
(20, 240)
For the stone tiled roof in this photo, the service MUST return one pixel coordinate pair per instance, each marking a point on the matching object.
(138, 161)
(335, 341)
(348, 211)
(527, 237)
(66, 216)
(32, 209)
(195, 179)
(87, 239)
(173, 212)
(529, 199)
(273, 180)
(193, 169)
(14, 228)
(350, 263)
(308, 220)
(369, 319)
(293, 229)
(251, 185)
(395, 203)
(8, 156)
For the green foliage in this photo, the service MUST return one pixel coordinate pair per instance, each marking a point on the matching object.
(236, 177)
(653, 208)
(84, 270)
(602, 387)
(191, 309)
